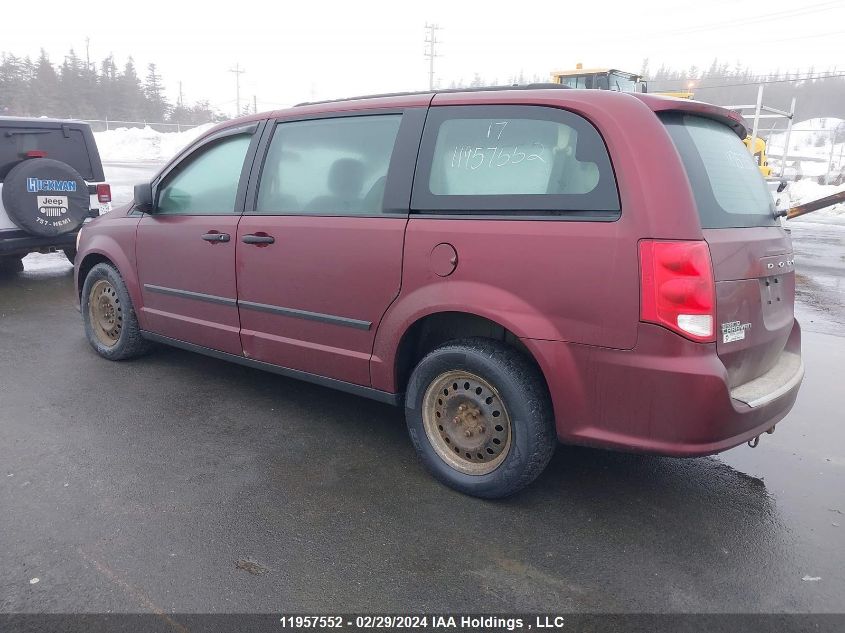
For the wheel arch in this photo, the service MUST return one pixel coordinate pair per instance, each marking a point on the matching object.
(107, 251)
(88, 262)
(433, 329)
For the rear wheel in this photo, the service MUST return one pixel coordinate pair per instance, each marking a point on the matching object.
(111, 325)
(480, 417)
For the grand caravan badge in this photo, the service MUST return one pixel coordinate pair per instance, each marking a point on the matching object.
(734, 331)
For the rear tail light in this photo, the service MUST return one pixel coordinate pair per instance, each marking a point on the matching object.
(677, 288)
(36, 153)
(103, 193)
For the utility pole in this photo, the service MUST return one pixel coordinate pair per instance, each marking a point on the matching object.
(254, 104)
(431, 52)
(179, 109)
(87, 53)
(238, 72)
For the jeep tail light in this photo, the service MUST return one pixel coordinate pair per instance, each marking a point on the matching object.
(36, 153)
(677, 288)
(103, 193)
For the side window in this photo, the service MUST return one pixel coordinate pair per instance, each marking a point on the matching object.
(207, 183)
(514, 159)
(328, 166)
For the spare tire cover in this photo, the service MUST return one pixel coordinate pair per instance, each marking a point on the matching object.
(45, 197)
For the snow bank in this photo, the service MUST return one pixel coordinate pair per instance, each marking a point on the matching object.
(142, 144)
(805, 134)
(803, 191)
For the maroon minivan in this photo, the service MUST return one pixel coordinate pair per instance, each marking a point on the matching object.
(514, 266)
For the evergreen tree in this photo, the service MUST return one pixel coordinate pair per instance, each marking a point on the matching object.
(129, 97)
(45, 92)
(72, 87)
(155, 106)
(13, 87)
(107, 87)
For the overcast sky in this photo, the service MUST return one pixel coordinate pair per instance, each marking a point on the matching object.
(327, 48)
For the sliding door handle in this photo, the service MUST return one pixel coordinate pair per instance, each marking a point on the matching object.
(216, 237)
(260, 239)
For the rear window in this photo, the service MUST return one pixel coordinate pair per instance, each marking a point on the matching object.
(63, 144)
(728, 187)
(514, 160)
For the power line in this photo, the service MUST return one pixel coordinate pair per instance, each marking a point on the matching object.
(431, 52)
(753, 20)
(750, 21)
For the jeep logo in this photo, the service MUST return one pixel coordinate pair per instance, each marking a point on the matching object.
(52, 206)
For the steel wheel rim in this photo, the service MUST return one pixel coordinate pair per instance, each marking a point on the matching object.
(466, 422)
(105, 313)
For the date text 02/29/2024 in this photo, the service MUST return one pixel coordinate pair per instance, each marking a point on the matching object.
(445, 622)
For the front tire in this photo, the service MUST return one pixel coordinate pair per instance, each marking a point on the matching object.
(480, 417)
(111, 324)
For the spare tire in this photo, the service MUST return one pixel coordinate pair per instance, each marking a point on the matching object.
(45, 197)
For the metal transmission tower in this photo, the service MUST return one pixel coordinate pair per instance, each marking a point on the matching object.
(238, 72)
(431, 52)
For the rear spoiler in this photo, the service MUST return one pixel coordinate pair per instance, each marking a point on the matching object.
(659, 103)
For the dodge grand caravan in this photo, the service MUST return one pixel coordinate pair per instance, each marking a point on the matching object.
(514, 267)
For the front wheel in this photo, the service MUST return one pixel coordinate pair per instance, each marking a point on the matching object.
(111, 325)
(480, 417)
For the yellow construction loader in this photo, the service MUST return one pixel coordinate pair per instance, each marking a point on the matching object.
(623, 81)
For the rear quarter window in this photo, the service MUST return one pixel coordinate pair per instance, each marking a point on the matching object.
(66, 145)
(726, 182)
(514, 161)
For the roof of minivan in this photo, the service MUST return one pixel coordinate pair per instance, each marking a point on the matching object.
(553, 94)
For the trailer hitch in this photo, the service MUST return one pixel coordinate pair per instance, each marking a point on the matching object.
(754, 441)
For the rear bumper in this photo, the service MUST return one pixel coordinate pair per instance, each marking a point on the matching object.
(15, 242)
(666, 396)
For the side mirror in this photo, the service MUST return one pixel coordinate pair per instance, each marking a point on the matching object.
(144, 197)
(781, 186)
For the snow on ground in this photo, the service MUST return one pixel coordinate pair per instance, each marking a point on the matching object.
(803, 191)
(46, 263)
(144, 144)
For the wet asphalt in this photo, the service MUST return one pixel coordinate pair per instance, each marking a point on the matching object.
(181, 483)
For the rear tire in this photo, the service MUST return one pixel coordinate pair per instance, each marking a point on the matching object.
(480, 417)
(11, 265)
(111, 324)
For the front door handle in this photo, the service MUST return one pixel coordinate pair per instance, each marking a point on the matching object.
(216, 237)
(258, 238)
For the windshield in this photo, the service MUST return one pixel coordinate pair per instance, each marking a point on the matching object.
(622, 83)
(728, 187)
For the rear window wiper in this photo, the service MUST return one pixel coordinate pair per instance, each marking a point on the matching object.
(16, 132)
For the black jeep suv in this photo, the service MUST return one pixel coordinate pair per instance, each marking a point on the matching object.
(51, 180)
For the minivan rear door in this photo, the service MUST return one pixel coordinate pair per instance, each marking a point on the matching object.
(751, 253)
